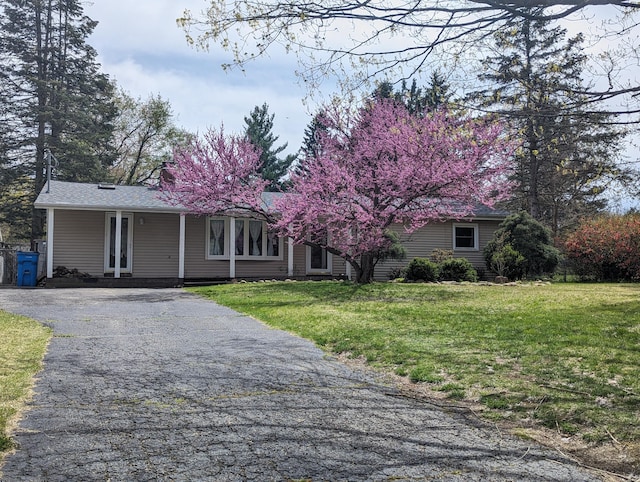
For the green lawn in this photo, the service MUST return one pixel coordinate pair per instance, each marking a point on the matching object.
(22, 346)
(564, 356)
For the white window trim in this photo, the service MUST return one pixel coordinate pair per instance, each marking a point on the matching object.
(476, 235)
(207, 228)
(228, 245)
(263, 256)
(107, 240)
(329, 268)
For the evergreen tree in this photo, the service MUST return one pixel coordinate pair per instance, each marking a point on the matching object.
(311, 143)
(569, 154)
(529, 246)
(53, 97)
(418, 100)
(258, 130)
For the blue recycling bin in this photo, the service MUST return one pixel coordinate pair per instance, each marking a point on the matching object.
(27, 268)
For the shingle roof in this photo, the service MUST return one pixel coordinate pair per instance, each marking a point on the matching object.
(105, 197)
(73, 195)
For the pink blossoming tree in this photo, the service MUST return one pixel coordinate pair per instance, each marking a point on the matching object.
(378, 168)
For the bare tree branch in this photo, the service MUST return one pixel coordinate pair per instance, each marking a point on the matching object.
(373, 38)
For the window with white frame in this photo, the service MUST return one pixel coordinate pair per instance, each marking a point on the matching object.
(217, 238)
(465, 237)
(249, 238)
(126, 243)
(319, 260)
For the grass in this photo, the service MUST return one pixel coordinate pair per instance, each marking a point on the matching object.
(22, 347)
(563, 356)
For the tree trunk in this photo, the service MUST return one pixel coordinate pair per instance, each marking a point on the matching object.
(364, 270)
(37, 218)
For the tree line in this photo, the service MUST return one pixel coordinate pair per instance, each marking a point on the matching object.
(54, 101)
(57, 108)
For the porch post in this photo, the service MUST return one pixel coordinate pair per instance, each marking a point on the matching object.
(118, 246)
(232, 247)
(348, 270)
(289, 257)
(50, 222)
(181, 247)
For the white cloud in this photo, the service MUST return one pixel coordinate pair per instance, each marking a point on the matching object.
(141, 47)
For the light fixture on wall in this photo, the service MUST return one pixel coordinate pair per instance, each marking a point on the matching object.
(141, 221)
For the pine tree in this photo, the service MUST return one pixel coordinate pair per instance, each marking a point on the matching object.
(53, 96)
(569, 152)
(311, 143)
(258, 130)
(418, 100)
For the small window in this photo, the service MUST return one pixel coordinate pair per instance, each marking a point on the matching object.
(273, 245)
(465, 237)
(255, 238)
(239, 237)
(318, 259)
(217, 239)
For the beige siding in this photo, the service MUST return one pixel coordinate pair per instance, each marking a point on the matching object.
(155, 245)
(486, 230)
(195, 263)
(198, 266)
(79, 238)
(78, 241)
(261, 269)
(339, 266)
(422, 242)
(299, 261)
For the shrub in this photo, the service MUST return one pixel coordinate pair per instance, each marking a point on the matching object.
(606, 248)
(457, 269)
(505, 260)
(422, 269)
(396, 273)
(530, 239)
(439, 255)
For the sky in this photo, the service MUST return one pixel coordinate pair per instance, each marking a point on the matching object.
(140, 46)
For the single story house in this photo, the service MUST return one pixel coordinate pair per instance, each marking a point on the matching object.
(127, 235)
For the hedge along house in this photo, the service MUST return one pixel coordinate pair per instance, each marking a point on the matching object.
(128, 236)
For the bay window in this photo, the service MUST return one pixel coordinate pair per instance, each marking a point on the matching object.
(250, 239)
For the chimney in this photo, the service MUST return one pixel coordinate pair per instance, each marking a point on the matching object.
(165, 176)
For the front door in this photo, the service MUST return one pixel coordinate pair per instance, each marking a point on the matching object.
(126, 239)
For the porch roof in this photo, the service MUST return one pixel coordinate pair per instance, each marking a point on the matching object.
(107, 197)
(110, 197)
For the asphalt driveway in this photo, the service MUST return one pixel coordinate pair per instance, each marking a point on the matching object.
(161, 385)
